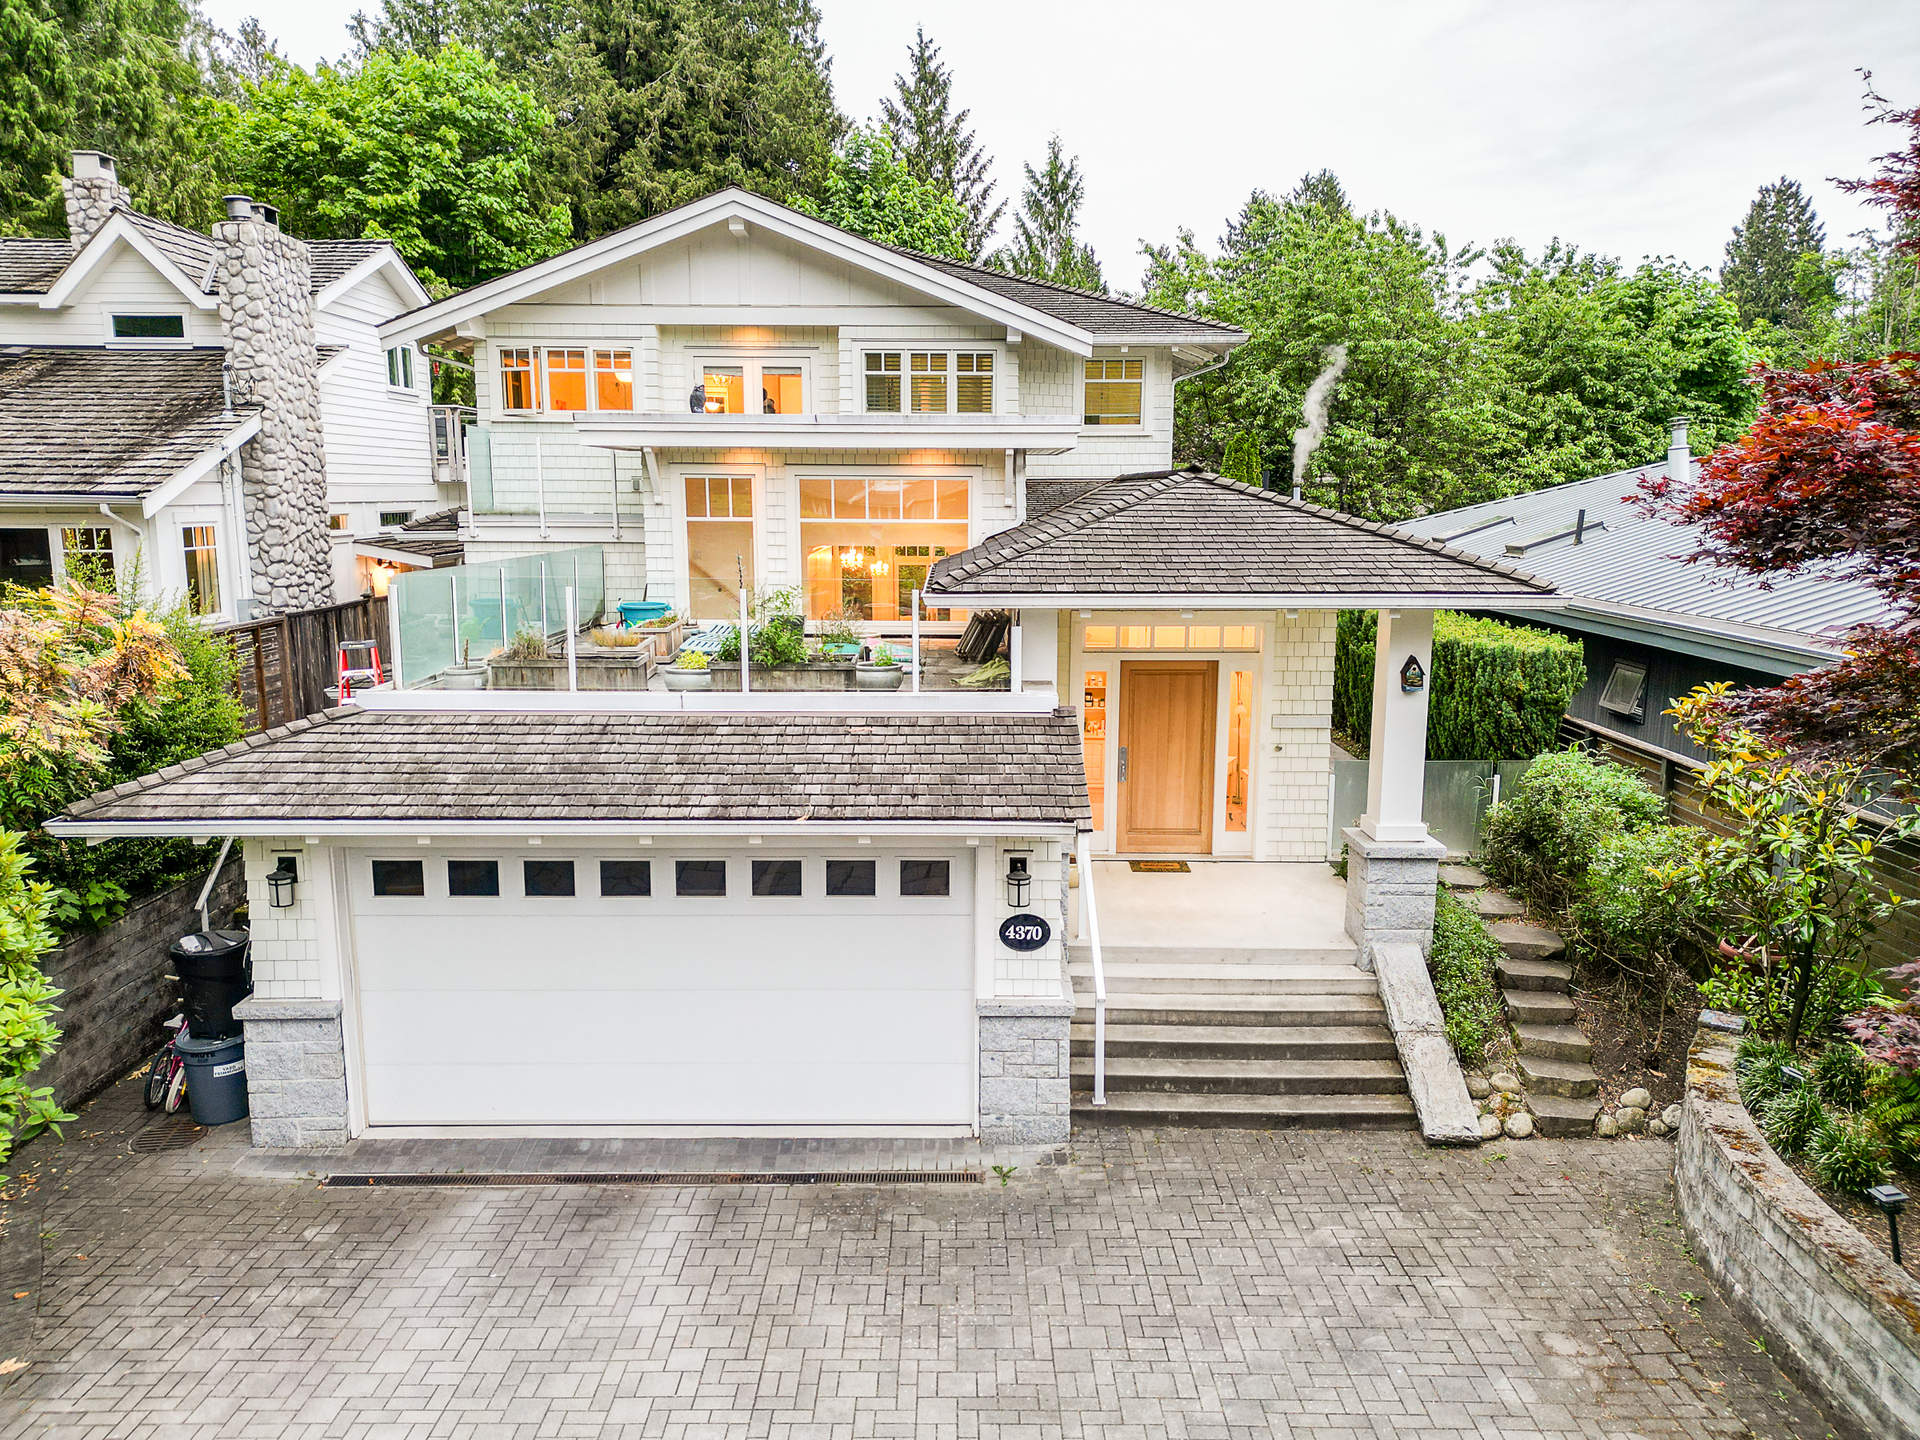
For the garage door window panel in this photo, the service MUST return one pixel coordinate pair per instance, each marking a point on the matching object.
(700, 879)
(473, 877)
(924, 877)
(548, 878)
(626, 877)
(776, 877)
(400, 877)
(850, 877)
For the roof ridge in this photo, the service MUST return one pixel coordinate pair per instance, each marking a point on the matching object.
(1055, 285)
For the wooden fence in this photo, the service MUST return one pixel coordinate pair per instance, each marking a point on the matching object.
(1678, 779)
(288, 661)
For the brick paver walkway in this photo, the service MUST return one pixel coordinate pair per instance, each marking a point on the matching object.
(1178, 1283)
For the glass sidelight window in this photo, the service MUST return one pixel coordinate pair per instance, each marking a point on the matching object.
(1239, 748)
(1093, 730)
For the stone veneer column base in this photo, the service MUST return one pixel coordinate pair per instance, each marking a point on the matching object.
(296, 1073)
(1390, 891)
(1025, 1071)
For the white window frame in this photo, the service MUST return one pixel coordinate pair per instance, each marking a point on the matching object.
(60, 550)
(225, 562)
(542, 408)
(906, 351)
(405, 386)
(751, 363)
(1146, 379)
(677, 477)
(114, 342)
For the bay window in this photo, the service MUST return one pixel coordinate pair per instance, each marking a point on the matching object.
(869, 543)
(938, 382)
(1113, 392)
(719, 544)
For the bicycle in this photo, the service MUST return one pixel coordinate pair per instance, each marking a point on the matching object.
(167, 1075)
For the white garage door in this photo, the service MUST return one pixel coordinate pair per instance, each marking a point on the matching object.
(599, 988)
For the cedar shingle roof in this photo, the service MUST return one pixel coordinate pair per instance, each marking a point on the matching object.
(333, 258)
(350, 764)
(29, 267)
(99, 424)
(193, 252)
(1189, 532)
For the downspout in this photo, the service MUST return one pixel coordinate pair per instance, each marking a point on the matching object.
(219, 864)
(140, 556)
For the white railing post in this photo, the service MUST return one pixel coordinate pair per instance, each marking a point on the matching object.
(573, 624)
(540, 483)
(1090, 913)
(746, 664)
(916, 642)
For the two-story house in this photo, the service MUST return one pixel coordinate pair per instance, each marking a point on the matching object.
(217, 410)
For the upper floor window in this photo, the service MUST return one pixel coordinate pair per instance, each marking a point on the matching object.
(937, 382)
(520, 379)
(149, 327)
(563, 379)
(566, 380)
(613, 380)
(1113, 392)
(400, 367)
(751, 386)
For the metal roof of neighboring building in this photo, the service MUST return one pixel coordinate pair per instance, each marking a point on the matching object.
(1628, 560)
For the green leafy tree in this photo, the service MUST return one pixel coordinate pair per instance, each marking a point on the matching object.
(935, 143)
(1763, 258)
(870, 191)
(435, 153)
(1046, 243)
(27, 1033)
(36, 109)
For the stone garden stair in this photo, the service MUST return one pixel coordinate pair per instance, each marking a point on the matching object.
(1244, 1038)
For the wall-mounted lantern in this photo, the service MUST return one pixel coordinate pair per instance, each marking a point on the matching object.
(280, 882)
(1413, 675)
(1019, 882)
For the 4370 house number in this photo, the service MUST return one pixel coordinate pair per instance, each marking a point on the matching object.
(1025, 932)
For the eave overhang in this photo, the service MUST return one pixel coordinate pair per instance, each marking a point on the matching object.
(1036, 434)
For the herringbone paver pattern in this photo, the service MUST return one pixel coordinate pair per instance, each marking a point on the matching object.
(1179, 1283)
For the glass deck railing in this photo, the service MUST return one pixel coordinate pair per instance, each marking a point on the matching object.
(462, 614)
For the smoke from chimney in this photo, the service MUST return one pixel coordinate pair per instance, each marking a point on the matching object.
(1308, 437)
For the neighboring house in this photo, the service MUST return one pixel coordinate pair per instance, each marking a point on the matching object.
(425, 542)
(1654, 625)
(733, 389)
(220, 406)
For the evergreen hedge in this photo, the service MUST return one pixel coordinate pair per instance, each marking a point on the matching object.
(1498, 691)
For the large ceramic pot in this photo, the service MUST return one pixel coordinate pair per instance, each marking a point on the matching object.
(868, 676)
(678, 679)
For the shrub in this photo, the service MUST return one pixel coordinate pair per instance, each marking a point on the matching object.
(1461, 963)
(1840, 1075)
(691, 660)
(525, 645)
(1792, 1120)
(1498, 691)
(27, 1033)
(1761, 1080)
(1849, 1155)
(1545, 835)
(1893, 1105)
(778, 644)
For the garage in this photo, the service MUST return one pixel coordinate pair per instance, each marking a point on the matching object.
(547, 987)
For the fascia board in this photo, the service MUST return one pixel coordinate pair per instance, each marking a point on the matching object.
(122, 231)
(1274, 601)
(387, 259)
(558, 830)
(162, 496)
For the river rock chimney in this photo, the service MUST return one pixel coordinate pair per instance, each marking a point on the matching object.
(93, 193)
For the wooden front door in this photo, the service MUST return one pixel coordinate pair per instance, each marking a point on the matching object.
(1166, 755)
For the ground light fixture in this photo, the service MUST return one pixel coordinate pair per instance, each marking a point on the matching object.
(1019, 882)
(280, 882)
(1892, 1200)
(1793, 1075)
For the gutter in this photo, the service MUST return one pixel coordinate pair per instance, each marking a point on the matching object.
(562, 831)
(1301, 601)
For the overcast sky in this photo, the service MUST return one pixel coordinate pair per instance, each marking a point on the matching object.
(1627, 127)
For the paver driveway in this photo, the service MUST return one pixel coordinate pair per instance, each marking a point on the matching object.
(1181, 1283)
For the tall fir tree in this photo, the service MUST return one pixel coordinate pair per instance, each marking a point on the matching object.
(1046, 245)
(36, 108)
(935, 144)
(1759, 273)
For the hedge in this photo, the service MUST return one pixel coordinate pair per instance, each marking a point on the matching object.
(1499, 691)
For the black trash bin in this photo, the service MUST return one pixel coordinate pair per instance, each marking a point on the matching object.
(213, 970)
(216, 1078)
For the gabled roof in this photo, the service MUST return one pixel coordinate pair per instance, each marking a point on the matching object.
(389, 769)
(97, 424)
(193, 252)
(1072, 319)
(1189, 535)
(1633, 564)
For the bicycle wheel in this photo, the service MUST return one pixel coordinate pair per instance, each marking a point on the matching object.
(158, 1074)
(176, 1085)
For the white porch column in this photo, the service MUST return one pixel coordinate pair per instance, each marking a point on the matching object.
(1392, 862)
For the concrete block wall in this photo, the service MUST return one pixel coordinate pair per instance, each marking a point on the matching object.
(1836, 1313)
(1295, 756)
(296, 1073)
(1025, 1072)
(1390, 892)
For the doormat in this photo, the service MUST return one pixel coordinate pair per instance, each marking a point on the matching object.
(1159, 867)
(631, 1177)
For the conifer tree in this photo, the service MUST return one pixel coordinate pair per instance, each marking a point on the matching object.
(934, 143)
(1046, 245)
(1766, 251)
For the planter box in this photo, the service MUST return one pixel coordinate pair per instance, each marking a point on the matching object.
(830, 675)
(664, 640)
(596, 672)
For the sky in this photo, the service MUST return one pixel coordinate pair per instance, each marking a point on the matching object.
(1624, 127)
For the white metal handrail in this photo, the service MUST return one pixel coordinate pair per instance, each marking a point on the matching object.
(1090, 911)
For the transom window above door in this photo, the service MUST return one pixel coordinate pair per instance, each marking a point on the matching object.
(751, 385)
(929, 382)
(1171, 637)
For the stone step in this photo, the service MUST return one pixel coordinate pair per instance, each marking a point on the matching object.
(1463, 877)
(1555, 1042)
(1527, 942)
(1080, 953)
(1244, 1077)
(1248, 1112)
(1570, 1078)
(1242, 1042)
(1539, 1007)
(1553, 975)
(1249, 978)
(1564, 1117)
(1221, 1009)
(1496, 905)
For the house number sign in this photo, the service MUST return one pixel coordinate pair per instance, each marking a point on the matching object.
(1025, 932)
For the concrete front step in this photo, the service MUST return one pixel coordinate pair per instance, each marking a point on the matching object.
(1463, 877)
(1156, 955)
(1244, 1077)
(1159, 1008)
(1551, 975)
(1539, 1007)
(1563, 1117)
(1241, 1042)
(1527, 942)
(1555, 1042)
(1247, 978)
(1570, 1078)
(1248, 1112)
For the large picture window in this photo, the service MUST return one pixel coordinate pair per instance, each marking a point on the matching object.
(869, 543)
(564, 379)
(719, 544)
(1113, 392)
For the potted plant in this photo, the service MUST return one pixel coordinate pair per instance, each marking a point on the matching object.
(468, 674)
(688, 672)
(882, 672)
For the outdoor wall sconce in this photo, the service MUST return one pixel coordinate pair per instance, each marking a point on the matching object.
(1019, 882)
(280, 882)
(1412, 675)
(1892, 1200)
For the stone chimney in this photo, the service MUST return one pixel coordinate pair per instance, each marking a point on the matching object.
(266, 316)
(1679, 457)
(93, 193)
